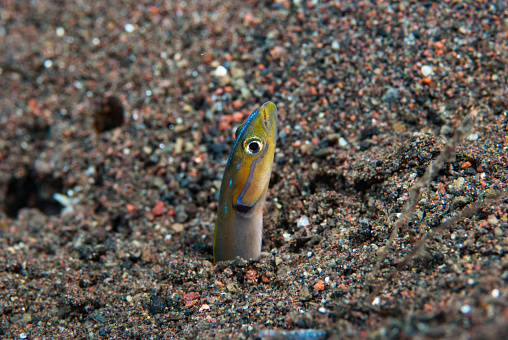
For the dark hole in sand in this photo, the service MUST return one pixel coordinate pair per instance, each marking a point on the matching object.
(109, 114)
(32, 191)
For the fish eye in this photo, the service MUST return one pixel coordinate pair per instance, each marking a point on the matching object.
(253, 146)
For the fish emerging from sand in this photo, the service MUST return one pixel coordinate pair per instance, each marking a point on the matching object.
(239, 226)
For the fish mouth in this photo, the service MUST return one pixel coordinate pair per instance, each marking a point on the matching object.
(242, 208)
(269, 112)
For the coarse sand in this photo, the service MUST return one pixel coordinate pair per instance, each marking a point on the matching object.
(116, 122)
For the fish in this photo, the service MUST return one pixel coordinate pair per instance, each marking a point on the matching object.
(239, 226)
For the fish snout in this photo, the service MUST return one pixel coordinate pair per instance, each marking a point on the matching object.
(269, 111)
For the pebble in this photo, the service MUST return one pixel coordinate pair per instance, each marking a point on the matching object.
(177, 227)
(473, 137)
(492, 220)
(60, 31)
(458, 183)
(320, 285)
(208, 57)
(459, 202)
(147, 150)
(427, 70)
(224, 80)
(238, 84)
(204, 308)
(180, 213)
(491, 193)
(465, 309)
(302, 222)
(237, 72)
(246, 94)
(232, 287)
(304, 293)
(446, 130)
(27, 318)
(342, 142)
(391, 96)
(220, 71)
(179, 145)
(240, 261)
(159, 208)
(129, 28)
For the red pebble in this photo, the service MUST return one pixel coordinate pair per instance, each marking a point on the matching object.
(159, 208)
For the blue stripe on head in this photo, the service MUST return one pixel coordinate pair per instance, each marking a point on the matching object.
(251, 117)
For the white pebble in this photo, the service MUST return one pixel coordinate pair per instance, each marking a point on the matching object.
(67, 202)
(495, 293)
(473, 136)
(375, 302)
(204, 308)
(335, 45)
(342, 142)
(48, 63)
(220, 71)
(322, 310)
(60, 31)
(129, 28)
(465, 309)
(427, 70)
(303, 222)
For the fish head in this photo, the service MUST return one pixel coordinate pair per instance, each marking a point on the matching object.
(251, 160)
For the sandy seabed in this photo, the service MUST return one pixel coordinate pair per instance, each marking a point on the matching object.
(126, 112)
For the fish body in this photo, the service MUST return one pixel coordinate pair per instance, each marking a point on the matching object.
(239, 226)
